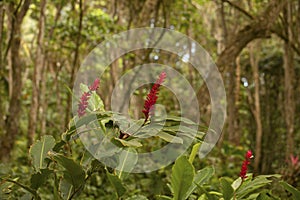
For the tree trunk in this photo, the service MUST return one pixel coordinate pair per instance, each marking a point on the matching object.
(2, 79)
(37, 74)
(145, 15)
(75, 63)
(257, 114)
(237, 136)
(2, 12)
(12, 121)
(289, 79)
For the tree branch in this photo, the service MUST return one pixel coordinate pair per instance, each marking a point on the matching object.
(239, 9)
(23, 10)
(260, 27)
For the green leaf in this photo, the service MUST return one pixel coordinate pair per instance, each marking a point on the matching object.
(127, 161)
(169, 138)
(258, 196)
(39, 178)
(65, 189)
(38, 151)
(291, 189)
(95, 102)
(182, 177)
(134, 126)
(74, 174)
(194, 152)
(84, 87)
(84, 120)
(129, 143)
(227, 189)
(137, 197)
(180, 119)
(163, 197)
(236, 183)
(200, 178)
(116, 183)
(250, 186)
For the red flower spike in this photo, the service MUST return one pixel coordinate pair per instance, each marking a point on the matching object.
(249, 154)
(245, 164)
(83, 104)
(95, 85)
(152, 96)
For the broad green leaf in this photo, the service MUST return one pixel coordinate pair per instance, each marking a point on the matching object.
(182, 177)
(39, 178)
(117, 184)
(84, 87)
(74, 174)
(180, 119)
(129, 143)
(255, 196)
(200, 178)
(169, 138)
(65, 189)
(95, 102)
(127, 161)
(236, 183)
(137, 197)
(134, 126)
(38, 151)
(147, 131)
(194, 152)
(291, 189)
(227, 189)
(250, 186)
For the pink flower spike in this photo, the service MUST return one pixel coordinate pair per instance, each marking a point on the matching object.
(152, 96)
(161, 78)
(294, 159)
(95, 85)
(83, 103)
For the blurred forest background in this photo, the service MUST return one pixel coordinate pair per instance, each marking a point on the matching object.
(255, 44)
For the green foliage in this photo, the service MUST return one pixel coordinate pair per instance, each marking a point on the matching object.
(73, 173)
(127, 161)
(200, 178)
(226, 188)
(194, 152)
(117, 184)
(249, 186)
(182, 177)
(137, 197)
(39, 178)
(291, 189)
(39, 150)
(69, 178)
